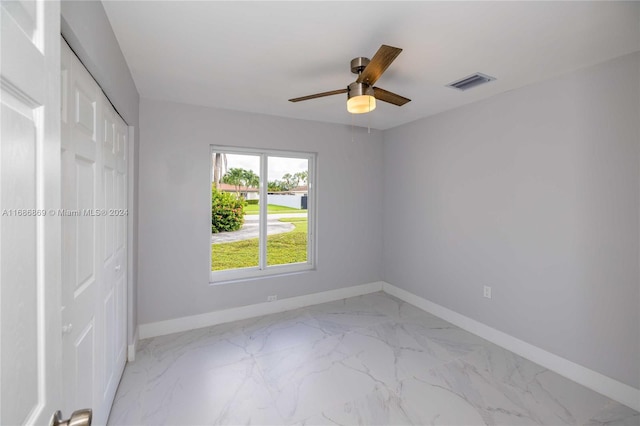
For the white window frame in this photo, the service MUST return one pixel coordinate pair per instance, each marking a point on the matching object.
(263, 270)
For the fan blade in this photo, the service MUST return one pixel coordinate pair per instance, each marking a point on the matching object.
(319, 95)
(392, 98)
(380, 62)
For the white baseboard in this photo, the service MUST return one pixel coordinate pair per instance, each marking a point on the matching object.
(131, 349)
(593, 380)
(234, 314)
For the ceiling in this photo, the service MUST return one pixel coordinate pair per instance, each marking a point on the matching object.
(253, 56)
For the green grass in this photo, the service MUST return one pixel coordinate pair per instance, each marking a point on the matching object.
(271, 208)
(290, 247)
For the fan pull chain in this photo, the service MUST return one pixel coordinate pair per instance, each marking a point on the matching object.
(352, 128)
(369, 117)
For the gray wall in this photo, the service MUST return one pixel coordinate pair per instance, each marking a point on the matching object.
(174, 229)
(85, 27)
(534, 192)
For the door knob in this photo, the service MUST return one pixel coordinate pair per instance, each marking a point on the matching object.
(66, 329)
(118, 268)
(78, 418)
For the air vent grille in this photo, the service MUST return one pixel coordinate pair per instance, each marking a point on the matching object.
(470, 81)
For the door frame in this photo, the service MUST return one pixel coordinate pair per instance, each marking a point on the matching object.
(132, 270)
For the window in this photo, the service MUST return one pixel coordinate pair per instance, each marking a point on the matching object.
(262, 212)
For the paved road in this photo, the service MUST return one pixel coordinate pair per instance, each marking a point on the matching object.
(251, 227)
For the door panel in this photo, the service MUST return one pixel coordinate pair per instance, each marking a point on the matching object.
(109, 346)
(121, 204)
(19, 264)
(109, 200)
(25, 15)
(84, 350)
(121, 329)
(30, 347)
(85, 182)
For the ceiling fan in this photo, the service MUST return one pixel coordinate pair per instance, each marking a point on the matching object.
(361, 94)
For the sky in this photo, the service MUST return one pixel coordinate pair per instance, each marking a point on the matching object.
(278, 166)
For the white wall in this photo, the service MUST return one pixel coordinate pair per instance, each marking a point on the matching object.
(534, 192)
(174, 228)
(87, 30)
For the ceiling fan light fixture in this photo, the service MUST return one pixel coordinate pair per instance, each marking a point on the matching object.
(361, 104)
(361, 95)
(360, 99)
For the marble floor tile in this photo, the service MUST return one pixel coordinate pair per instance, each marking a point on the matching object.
(430, 404)
(615, 414)
(346, 315)
(305, 380)
(367, 360)
(378, 407)
(279, 331)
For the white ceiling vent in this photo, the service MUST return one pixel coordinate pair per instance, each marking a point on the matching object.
(470, 81)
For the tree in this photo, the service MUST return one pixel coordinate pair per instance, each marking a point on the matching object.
(302, 177)
(287, 181)
(295, 181)
(235, 177)
(251, 179)
(274, 186)
(219, 167)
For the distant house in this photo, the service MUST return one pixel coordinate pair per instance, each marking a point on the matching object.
(245, 192)
(302, 190)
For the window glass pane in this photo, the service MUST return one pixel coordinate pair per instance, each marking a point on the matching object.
(235, 224)
(287, 224)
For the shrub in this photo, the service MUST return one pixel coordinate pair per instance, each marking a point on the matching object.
(252, 201)
(227, 211)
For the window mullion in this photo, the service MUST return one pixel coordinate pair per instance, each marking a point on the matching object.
(262, 240)
(310, 210)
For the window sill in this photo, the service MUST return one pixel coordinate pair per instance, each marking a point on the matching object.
(252, 274)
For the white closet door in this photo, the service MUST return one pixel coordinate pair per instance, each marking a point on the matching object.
(30, 328)
(94, 288)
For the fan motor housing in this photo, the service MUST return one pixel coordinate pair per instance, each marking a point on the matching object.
(359, 64)
(359, 89)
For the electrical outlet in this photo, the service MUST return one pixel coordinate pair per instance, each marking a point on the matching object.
(272, 298)
(487, 292)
